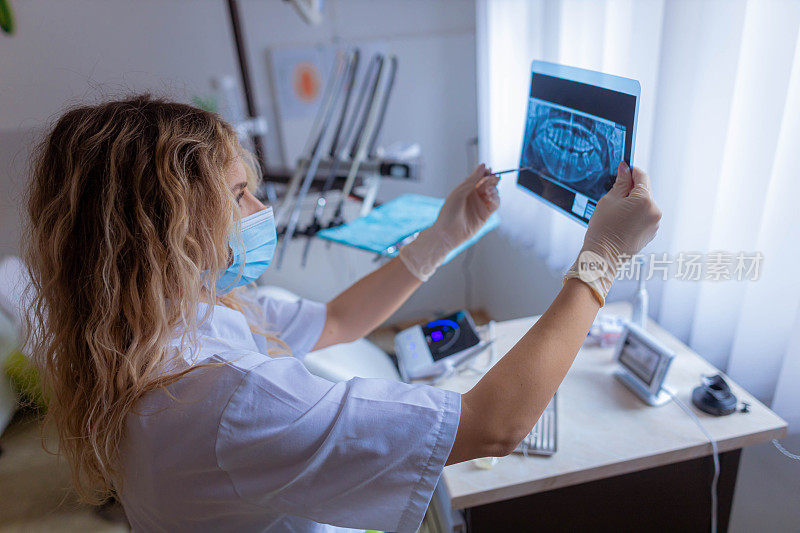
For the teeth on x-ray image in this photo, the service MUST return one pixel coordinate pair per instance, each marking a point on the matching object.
(579, 151)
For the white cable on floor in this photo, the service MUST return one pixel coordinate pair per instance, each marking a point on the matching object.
(715, 452)
(784, 451)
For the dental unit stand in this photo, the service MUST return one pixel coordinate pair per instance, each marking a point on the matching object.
(339, 80)
(355, 136)
(337, 153)
(370, 127)
(359, 138)
(373, 182)
(339, 149)
(315, 138)
(375, 83)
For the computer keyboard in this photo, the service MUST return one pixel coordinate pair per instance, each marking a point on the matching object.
(542, 440)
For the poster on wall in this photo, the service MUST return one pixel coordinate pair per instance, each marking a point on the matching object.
(299, 76)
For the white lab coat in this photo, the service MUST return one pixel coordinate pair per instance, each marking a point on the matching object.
(257, 443)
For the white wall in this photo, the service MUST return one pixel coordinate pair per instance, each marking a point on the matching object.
(67, 51)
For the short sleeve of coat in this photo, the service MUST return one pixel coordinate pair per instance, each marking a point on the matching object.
(365, 453)
(298, 323)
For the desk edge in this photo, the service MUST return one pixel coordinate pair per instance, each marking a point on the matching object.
(637, 464)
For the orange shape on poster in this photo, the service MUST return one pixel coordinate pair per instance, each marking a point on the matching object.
(306, 82)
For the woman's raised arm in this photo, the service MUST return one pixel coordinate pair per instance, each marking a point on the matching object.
(371, 300)
(505, 404)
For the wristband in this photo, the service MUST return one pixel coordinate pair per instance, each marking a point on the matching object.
(595, 271)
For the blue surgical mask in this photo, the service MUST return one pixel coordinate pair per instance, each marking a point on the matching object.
(252, 254)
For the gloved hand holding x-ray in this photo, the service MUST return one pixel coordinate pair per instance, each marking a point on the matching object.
(579, 125)
(626, 219)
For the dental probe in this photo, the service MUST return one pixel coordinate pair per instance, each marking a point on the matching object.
(511, 170)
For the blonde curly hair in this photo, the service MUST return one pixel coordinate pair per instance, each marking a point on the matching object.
(129, 220)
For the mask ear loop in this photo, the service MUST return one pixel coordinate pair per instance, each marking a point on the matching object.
(235, 233)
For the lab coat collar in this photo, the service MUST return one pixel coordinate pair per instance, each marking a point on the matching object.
(223, 330)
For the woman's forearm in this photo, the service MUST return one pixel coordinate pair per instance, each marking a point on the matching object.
(503, 407)
(505, 404)
(373, 299)
(367, 303)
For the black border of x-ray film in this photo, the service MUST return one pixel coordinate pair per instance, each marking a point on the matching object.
(618, 107)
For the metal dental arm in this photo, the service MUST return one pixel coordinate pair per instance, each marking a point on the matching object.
(369, 199)
(364, 137)
(338, 85)
(315, 137)
(338, 149)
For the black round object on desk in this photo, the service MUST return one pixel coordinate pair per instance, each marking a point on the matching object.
(714, 396)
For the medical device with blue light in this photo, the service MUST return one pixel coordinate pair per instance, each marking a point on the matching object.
(580, 124)
(429, 350)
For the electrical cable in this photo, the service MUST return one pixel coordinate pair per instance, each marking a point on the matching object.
(784, 451)
(338, 151)
(490, 347)
(465, 269)
(315, 138)
(715, 451)
(367, 116)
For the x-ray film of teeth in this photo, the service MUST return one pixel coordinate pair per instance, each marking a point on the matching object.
(577, 150)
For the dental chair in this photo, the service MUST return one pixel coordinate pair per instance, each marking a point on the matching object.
(13, 280)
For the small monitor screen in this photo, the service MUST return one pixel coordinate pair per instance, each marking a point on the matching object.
(637, 357)
(575, 136)
(449, 335)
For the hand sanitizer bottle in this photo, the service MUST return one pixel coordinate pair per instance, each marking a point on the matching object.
(639, 316)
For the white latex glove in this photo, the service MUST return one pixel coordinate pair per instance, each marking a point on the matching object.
(625, 220)
(465, 211)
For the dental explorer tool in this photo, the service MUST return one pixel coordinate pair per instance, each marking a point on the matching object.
(520, 169)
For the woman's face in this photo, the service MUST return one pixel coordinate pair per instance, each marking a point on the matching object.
(237, 182)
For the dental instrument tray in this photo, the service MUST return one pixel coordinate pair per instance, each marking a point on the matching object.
(429, 350)
(397, 222)
(543, 438)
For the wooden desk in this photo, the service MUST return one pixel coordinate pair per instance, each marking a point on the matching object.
(605, 433)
